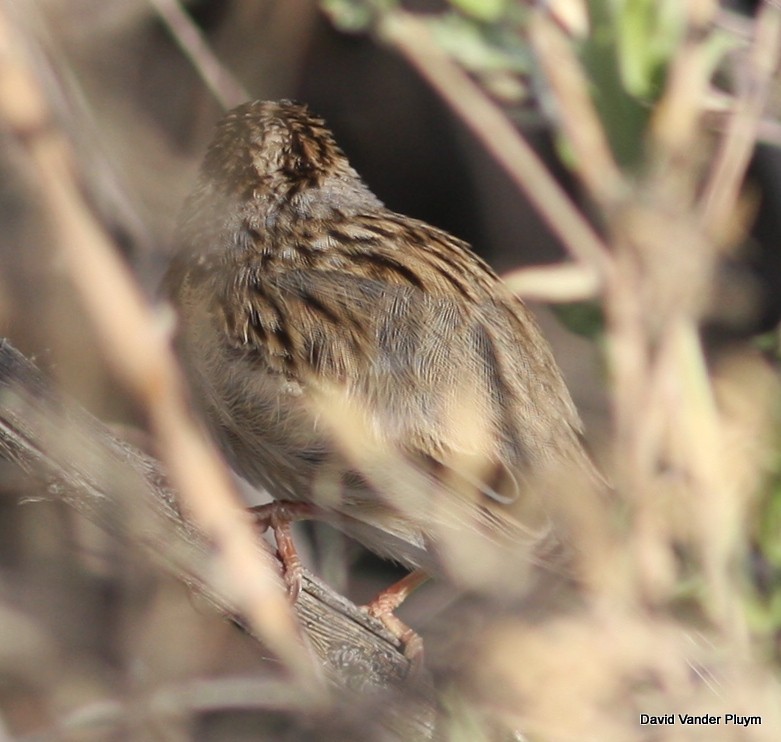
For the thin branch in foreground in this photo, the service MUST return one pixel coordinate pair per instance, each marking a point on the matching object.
(578, 117)
(565, 282)
(226, 89)
(732, 158)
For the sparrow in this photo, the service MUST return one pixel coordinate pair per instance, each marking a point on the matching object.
(364, 366)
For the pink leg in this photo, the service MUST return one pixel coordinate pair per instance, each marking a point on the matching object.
(278, 516)
(385, 603)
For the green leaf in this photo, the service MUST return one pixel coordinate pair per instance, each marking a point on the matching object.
(582, 317)
(488, 11)
(355, 16)
(648, 32)
(477, 48)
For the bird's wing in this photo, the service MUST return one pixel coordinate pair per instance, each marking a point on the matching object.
(445, 364)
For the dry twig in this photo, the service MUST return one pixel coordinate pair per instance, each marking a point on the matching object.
(490, 125)
(225, 88)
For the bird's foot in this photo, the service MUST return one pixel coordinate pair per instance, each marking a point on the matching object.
(279, 516)
(384, 604)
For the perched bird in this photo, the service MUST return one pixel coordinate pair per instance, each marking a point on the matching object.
(361, 362)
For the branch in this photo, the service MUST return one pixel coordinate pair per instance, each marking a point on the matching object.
(226, 89)
(732, 159)
(412, 39)
(79, 462)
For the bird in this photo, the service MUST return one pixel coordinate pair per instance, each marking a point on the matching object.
(361, 364)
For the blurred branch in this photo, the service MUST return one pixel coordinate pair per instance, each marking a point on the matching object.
(490, 125)
(226, 89)
(732, 158)
(79, 462)
(768, 129)
(198, 696)
(565, 282)
(578, 117)
(137, 350)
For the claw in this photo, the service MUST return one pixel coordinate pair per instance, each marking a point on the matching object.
(278, 516)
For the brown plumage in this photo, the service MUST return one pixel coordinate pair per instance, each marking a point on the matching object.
(302, 299)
